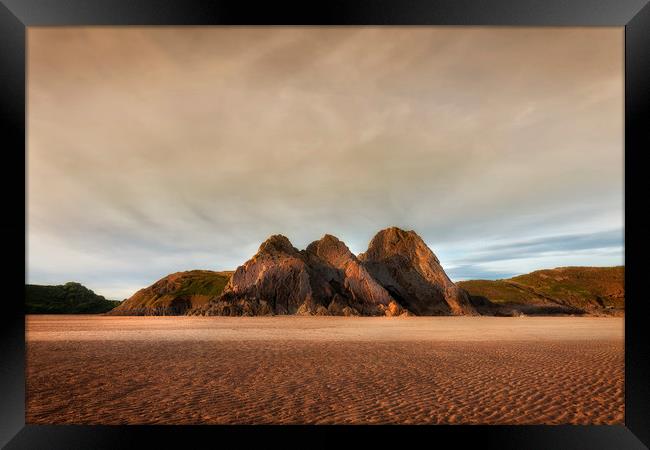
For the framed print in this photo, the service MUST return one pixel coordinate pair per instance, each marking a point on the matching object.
(391, 221)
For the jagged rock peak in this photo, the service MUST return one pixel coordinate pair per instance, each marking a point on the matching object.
(331, 249)
(394, 240)
(277, 244)
(407, 268)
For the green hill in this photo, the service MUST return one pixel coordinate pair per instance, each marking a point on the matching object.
(175, 294)
(586, 289)
(70, 298)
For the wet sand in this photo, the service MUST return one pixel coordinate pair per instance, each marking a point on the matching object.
(325, 370)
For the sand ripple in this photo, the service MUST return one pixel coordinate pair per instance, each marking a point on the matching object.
(325, 382)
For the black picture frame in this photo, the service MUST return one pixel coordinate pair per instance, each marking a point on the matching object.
(16, 15)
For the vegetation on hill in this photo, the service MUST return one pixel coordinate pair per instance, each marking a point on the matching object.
(70, 298)
(175, 294)
(590, 289)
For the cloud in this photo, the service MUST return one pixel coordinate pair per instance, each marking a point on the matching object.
(475, 272)
(151, 150)
(564, 244)
(515, 257)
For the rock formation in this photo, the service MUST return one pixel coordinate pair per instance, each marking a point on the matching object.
(399, 275)
(332, 261)
(274, 281)
(403, 264)
(324, 279)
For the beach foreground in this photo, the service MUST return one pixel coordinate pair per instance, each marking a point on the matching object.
(325, 370)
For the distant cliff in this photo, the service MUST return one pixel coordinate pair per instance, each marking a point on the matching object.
(70, 298)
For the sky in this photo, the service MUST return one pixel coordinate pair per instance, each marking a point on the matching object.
(154, 150)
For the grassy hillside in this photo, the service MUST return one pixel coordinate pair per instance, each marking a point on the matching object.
(587, 288)
(175, 293)
(498, 291)
(580, 286)
(70, 298)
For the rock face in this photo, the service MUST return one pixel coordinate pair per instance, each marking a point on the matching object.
(275, 281)
(403, 264)
(332, 261)
(398, 275)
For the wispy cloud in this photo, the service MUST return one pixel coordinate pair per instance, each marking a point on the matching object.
(153, 150)
(506, 259)
(563, 244)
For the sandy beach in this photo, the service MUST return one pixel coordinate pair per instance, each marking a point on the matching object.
(325, 370)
